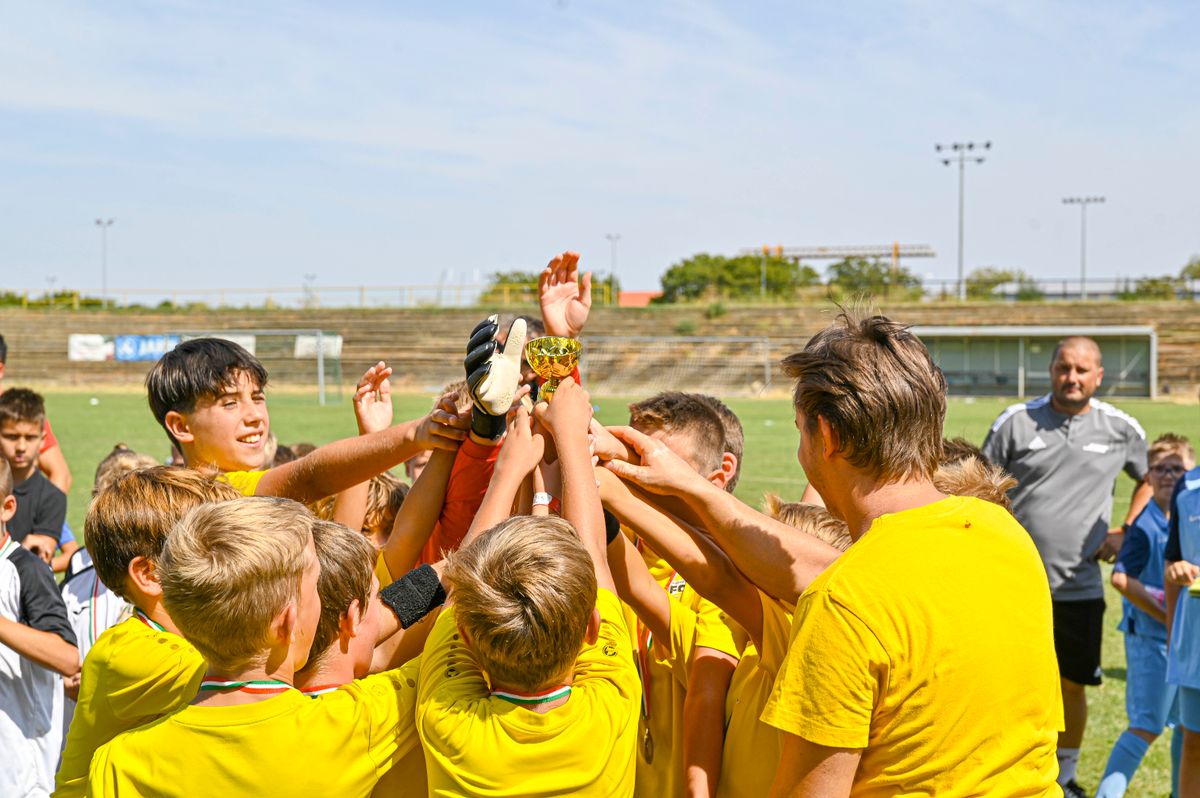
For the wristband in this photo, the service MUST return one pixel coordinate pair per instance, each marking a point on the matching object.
(414, 595)
(542, 499)
(1125, 528)
(487, 426)
(612, 527)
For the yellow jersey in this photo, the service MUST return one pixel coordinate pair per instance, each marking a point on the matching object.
(929, 645)
(695, 623)
(752, 748)
(134, 674)
(479, 744)
(245, 482)
(338, 743)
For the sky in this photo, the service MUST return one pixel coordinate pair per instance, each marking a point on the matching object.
(249, 144)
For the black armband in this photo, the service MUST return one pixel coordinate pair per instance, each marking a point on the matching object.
(414, 595)
(486, 426)
(612, 528)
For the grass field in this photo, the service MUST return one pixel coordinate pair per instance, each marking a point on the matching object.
(87, 432)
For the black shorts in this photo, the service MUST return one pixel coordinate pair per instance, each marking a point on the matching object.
(1078, 632)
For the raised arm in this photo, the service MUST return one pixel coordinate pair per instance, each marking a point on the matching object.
(564, 298)
(781, 562)
(419, 513)
(637, 588)
(372, 402)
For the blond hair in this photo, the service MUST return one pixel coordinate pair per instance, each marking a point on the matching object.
(228, 569)
(120, 461)
(347, 572)
(1172, 444)
(975, 476)
(873, 381)
(811, 519)
(132, 515)
(385, 494)
(523, 593)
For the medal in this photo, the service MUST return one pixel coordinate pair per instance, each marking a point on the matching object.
(648, 747)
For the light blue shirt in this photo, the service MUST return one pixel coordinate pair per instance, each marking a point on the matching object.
(1141, 558)
(1183, 661)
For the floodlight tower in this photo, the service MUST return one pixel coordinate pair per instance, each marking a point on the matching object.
(962, 153)
(104, 224)
(1082, 202)
(613, 238)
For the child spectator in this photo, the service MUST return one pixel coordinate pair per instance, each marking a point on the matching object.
(41, 507)
(239, 578)
(50, 457)
(37, 648)
(1182, 558)
(140, 668)
(1138, 575)
(385, 494)
(533, 608)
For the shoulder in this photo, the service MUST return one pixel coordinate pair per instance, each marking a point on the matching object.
(30, 568)
(1119, 417)
(46, 490)
(245, 482)
(1020, 409)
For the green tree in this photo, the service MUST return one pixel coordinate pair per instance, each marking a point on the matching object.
(514, 288)
(1191, 271)
(718, 277)
(1151, 289)
(851, 277)
(982, 284)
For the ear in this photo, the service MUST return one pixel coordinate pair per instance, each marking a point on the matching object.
(349, 622)
(593, 628)
(1099, 376)
(831, 444)
(8, 508)
(283, 627)
(729, 467)
(142, 575)
(176, 424)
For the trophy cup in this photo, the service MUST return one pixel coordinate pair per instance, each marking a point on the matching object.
(553, 358)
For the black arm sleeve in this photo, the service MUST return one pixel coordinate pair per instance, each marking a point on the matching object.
(42, 607)
(1174, 552)
(414, 595)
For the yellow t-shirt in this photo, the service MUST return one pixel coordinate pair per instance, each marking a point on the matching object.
(245, 482)
(480, 745)
(132, 675)
(929, 644)
(338, 743)
(669, 666)
(752, 748)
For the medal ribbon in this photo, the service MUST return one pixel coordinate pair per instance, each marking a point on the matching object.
(255, 686)
(144, 618)
(321, 689)
(8, 548)
(533, 699)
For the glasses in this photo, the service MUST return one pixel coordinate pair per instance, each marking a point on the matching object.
(1163, 470)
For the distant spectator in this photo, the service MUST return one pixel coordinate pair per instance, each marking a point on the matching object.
(283, 454)
(51, 460)
(67, 546)
(41, 506)
(301, 449)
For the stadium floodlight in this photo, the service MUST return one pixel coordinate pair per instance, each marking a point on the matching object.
(613, 238)
(960, 150)
(104, 224)
(1082, 202)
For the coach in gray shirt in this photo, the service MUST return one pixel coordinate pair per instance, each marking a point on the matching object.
(1065, 450)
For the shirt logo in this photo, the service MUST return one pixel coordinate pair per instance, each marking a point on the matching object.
(677, 585)
(1037, 443)
(1096, 448)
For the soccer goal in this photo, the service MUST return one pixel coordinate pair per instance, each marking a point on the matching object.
(731, 366)
(293, 358)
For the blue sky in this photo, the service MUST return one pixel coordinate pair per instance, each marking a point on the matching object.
(246, 144)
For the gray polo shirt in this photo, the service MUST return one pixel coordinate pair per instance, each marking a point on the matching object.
(1065, 467)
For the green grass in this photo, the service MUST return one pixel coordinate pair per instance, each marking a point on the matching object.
(87, 432)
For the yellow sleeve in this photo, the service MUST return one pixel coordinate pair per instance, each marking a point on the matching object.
(716, 630)
(150, 677)
(390, 702)
(777, 627)
(245, 482)
(381, 572)
(102, 776)
(832, 679)
(611, 657)
(448, 669)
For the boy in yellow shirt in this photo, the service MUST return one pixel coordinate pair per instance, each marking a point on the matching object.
(208, 395)
(527, 684)
(240, 581)
(141, 668)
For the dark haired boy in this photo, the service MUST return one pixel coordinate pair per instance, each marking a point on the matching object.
(208, 395)
(41, 507)
(51, 460)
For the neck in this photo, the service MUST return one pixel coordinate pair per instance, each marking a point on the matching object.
(331, 668)
(1070, 410)
(19, 475)
(153, 609)
(1164, 505)
(503, 687)
(278, 667)
(863, 499)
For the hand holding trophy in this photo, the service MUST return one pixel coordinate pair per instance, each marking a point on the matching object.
(553, 358)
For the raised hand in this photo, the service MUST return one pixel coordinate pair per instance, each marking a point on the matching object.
(493, 375)
(373, 399)
(523, 448)
(606, 446)
(565, 299)
(569, 413)
(656, 467)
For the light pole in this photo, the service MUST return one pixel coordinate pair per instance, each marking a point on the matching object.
(613, 238)
(958, 152)
(104, 224)
(1082, 202)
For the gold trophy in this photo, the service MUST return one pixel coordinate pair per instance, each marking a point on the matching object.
(553, 358)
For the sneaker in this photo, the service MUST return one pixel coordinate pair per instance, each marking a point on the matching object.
(1072, 790)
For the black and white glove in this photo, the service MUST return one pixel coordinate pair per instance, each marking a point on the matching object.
(493, 375)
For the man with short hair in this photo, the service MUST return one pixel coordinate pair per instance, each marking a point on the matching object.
(1065, 450)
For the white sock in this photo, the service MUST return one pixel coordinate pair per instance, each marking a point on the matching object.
(1068, 760)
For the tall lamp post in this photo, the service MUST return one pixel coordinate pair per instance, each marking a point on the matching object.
(961, 152)
(1082, 202)
(613, 238)
(104, 224)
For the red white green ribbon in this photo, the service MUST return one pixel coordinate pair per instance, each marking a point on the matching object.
(533, 699)
(255, 686)
(8, 548)
(144, 618)
(321, 689)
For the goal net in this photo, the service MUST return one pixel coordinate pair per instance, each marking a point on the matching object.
(298, 359)
(642, 365)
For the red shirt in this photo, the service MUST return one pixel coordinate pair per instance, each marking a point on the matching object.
(469, 480)
(48, 441)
